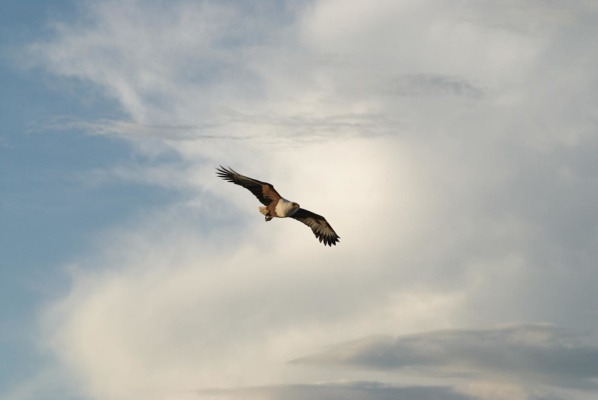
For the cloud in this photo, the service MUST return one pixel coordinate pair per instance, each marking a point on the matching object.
(332, 391)
(303, 72)
(518, 353)
(452, 147)
(430, 85)
(208, 67)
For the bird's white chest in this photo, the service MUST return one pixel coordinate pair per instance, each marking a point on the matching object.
(284, 208)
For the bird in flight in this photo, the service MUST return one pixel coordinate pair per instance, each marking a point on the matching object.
(277, 206)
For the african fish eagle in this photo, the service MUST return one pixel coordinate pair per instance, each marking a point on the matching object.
(277, 206)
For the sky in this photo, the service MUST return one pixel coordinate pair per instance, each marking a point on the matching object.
(451, 145)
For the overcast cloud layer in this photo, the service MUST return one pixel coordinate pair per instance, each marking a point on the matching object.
(452, 145)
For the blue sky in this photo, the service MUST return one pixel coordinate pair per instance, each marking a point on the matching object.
(451, 147)
(48, 213)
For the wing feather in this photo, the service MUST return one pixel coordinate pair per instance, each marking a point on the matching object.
(319, 226)
(264, 191)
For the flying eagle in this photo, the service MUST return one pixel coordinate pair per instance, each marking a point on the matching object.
(277, 206)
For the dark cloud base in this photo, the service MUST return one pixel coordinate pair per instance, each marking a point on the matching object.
(521, 353)
(337, 391)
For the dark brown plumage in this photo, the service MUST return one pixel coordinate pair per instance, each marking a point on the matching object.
(277, 206)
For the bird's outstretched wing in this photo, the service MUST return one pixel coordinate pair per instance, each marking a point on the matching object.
(319, 226)
(264, 192)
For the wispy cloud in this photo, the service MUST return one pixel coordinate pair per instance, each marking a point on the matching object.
(297, 71)
(269, 130)
(134, 131)
(430, 85)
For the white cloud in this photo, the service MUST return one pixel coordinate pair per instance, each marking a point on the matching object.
(451, 147)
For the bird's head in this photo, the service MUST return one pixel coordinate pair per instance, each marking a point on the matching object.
(295, 205)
